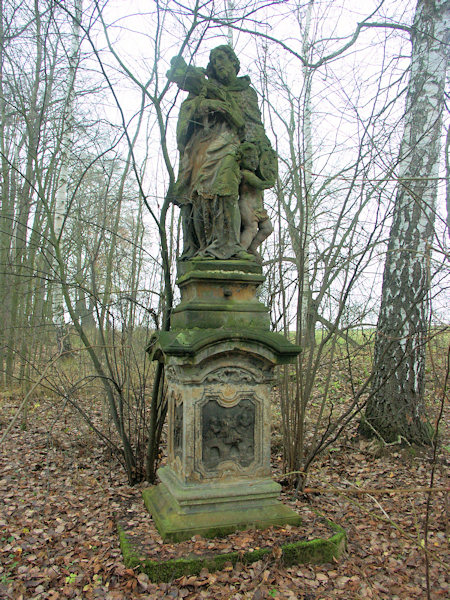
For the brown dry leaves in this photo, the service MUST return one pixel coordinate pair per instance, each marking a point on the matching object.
(60, 497)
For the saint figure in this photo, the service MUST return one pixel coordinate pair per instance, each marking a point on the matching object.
(220, 113)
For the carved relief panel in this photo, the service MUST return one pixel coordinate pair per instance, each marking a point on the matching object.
(228, 433)
(175, 422)
(231, 374)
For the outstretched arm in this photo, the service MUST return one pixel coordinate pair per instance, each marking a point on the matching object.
(187, 77)
(255, 181)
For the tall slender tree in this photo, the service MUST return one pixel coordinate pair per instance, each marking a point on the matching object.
(66, 139)
(396, 408)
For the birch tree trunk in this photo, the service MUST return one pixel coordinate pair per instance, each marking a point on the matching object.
(307, 323)
(66, 140)
(229, 10)
(396, 409)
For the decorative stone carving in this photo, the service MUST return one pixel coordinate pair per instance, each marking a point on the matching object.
(175, 423)
(230, 374)
(228, 433)
(178, 429)
(171, 373)
(220, 354)
(226, 160)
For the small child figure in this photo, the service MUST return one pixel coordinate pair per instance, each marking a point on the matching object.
(255, 222)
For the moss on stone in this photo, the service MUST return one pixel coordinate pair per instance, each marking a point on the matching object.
(255, 509)
(311, 551)
(192, 341)
(227, 266)
(226, 307)
(221, 276)
(216, 316)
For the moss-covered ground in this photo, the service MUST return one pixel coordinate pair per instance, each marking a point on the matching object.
(300, 552)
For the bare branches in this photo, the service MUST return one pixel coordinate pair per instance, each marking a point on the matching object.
(351, 40)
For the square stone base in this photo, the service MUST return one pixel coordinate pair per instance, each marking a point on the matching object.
(214, 509)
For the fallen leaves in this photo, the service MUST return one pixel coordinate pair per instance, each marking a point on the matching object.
(57, 519)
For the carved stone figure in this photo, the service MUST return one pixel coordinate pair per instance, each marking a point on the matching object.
(219, 355)
(255, 223)
(220, 113)
(228, 433)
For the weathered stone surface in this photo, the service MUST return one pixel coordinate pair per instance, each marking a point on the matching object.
(232, 265)
(226, 160)
(215, 295)
(219, 356)
(196, 344)
(181, 511)
(218, 474)
(228, 433)
(223, 404)
(219, 376)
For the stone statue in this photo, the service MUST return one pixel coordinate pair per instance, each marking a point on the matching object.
(219, 188)
(255, 222)
(219, 356)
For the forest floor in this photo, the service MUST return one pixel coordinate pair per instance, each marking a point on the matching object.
(60, 495)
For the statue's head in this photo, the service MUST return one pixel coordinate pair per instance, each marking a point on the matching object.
(248, 156)
(223, 64)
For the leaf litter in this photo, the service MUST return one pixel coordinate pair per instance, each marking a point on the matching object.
(61, 495)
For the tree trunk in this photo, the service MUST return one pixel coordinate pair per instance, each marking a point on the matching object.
(61, 192)
(396, 409)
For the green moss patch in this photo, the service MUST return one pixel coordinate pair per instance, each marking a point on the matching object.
(189, 342)
(248, 511)
(299, 552)
(216, 265)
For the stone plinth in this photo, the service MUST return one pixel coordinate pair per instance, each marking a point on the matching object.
(219, 363)
(219, 294)
(214, 509)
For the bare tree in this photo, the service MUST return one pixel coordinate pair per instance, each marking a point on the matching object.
(396, 410)
(67, 126)
(101, 171)
(333, 195)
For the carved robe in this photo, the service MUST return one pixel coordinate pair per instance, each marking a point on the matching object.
(207, 188)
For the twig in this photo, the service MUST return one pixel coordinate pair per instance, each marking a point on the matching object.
(24, 401)
(359, 491)
(433, 469)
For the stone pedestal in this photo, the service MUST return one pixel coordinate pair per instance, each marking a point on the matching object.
(219, 361)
